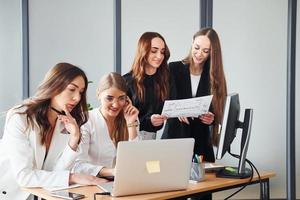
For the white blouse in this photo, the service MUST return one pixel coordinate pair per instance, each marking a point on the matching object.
(195, 79)
(98, 149)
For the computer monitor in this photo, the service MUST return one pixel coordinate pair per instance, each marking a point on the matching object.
(229, 126)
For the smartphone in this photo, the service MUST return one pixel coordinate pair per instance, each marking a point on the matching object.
(67, 195)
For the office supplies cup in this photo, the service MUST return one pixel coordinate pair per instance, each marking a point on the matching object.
(197, 172)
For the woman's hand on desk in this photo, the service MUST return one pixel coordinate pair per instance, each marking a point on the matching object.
(85, 179)
(105, 171)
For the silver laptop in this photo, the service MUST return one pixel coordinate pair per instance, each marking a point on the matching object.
(151, 166)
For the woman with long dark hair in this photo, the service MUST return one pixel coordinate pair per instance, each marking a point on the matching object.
(148, 82)
(200, 73)
(41, 136)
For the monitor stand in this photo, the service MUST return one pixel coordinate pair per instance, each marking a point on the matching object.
(233, 172)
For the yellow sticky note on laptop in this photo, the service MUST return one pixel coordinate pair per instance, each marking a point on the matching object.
(153, 166)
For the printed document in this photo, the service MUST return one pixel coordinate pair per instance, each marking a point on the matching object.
(52, 189)
(192, 107)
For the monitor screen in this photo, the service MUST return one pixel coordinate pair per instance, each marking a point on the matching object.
(229, 126)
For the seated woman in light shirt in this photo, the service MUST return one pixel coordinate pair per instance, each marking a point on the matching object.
(41, 136)
(115, 120)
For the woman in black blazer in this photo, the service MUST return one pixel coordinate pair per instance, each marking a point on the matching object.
(199, 74)
(148, 82)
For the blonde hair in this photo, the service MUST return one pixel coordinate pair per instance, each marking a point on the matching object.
(117, 81)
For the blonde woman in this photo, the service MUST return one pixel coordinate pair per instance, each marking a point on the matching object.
(115, 120)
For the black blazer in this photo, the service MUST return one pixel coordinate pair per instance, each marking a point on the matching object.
(147, 108)
(181, 90)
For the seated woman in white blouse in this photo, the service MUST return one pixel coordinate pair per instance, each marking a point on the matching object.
(115, 120)
(41, 136)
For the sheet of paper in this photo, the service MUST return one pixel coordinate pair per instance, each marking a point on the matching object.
(192, 107)
(212, 166)
(52, 189)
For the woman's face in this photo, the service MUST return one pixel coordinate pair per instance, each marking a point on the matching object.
(156, 54)
(112, 101)
(70, 96)
(200, 49)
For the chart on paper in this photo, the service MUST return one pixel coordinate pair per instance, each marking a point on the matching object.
(192, 107)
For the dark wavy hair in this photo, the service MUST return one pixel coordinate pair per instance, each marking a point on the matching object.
(161, 82)
(55, 81)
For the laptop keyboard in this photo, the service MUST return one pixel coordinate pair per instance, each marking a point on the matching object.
(106, 187)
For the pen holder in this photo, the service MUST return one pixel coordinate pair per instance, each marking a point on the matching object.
(197, 172)
(145, 135)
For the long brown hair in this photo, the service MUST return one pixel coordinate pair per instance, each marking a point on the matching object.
(55, 81)
(117, 81)
(218, 86)
(161, 82)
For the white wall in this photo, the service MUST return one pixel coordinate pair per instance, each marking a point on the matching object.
(254, 41)
(175, 20)
(75, 31)
(10, 57)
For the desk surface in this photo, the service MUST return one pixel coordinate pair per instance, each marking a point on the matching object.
(209, 184)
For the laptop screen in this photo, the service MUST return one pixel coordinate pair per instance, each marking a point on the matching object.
(152, 166)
